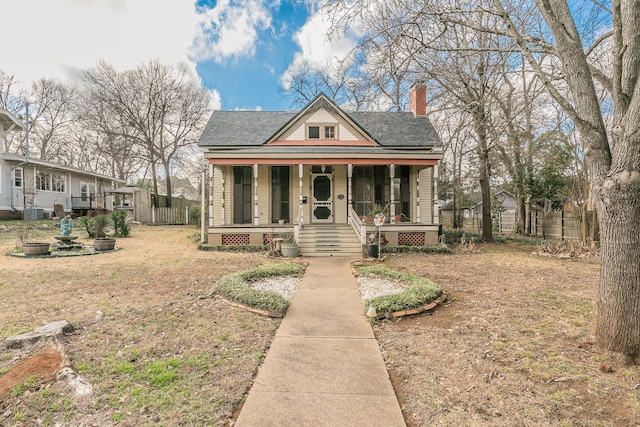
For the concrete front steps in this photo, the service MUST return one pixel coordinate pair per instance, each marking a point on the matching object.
(329, 240)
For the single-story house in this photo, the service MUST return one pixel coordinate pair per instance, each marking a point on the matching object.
(36, 186)
(319, 172)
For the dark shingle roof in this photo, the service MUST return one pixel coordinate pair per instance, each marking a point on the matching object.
(238, 128)
(252, 128)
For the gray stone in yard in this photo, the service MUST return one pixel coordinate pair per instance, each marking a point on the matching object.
(52, 329)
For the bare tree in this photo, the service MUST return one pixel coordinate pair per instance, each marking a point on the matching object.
(52, 107)
(157, 107)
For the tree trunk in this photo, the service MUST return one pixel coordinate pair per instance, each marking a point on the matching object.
(480, 118)
(521, 215)
(169, 193)
(618, 326)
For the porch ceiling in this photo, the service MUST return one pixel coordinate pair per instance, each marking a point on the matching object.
(283, 155)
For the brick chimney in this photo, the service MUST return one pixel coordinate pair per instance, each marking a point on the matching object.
(418, 98)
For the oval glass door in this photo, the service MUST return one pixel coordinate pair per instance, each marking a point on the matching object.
(322, 207)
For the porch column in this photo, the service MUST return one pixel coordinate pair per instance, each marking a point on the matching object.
(418, 196)
(211, 183)
(349, 195)
(69, 206)
(300, 196)
(436, 209)
(392, 206)
(222, 196)
(256, 209)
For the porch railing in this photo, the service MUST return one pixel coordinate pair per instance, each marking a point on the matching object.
(82, 203)
(359, 227)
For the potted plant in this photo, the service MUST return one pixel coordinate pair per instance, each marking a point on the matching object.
(101, 242)
(288, 247)
(35, 248)
(31, 248)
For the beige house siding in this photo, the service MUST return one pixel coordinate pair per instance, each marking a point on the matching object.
(340, 187)
(426, 196)
(425, 210)
(321, 117)
(264, 195)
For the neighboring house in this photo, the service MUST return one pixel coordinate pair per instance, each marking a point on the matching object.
(446, 212)
(507, 200)
(37, 186)
(322, 169)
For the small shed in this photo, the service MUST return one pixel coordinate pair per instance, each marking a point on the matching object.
(133, 198)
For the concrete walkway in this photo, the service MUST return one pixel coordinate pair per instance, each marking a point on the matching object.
(324, 367)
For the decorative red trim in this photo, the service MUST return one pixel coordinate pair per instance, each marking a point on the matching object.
(324, 142)
(408, 162)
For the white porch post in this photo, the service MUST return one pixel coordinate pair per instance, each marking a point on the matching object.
(436, 209)
(211, 183)
(300, 196)
(256, 209)
(392, 206)
(418, 196)
(349, 195)
(69, 200)
(202, 207)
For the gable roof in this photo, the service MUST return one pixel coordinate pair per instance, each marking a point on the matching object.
(255, 128)
(8, 121)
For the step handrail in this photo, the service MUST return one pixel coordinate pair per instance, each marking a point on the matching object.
(358, 226)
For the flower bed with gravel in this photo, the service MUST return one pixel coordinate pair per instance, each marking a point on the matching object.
(268, 288)
(391, 291)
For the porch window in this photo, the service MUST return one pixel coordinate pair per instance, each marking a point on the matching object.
(280, 196)
(58, 183)
(242, 200)
(87, 191)
(18, 178)
(43, 181)
(372, 186)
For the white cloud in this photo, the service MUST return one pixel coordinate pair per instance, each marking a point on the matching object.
(230, 29)
(58, 38)
(318, 51)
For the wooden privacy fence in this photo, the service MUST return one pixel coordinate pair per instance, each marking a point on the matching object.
(555, 225)
(163, 216)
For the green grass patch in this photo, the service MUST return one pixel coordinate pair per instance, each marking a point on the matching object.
(420, 291)
(235, 288)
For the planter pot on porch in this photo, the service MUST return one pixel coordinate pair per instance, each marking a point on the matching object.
(35, 248)
(289, 250)
(101, 244)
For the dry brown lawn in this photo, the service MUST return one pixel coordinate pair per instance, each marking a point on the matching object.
(513, 346)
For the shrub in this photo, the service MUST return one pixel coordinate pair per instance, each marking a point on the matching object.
(194, 215)
(100, 225)
(87, 224)
(232, 248)
(420, 291)
(438, 249)
(121, 221)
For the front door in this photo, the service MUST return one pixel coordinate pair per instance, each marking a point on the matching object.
(322, 203)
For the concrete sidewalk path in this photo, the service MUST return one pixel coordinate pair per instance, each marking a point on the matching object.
(324, 367)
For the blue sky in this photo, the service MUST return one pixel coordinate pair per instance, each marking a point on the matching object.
(239, 48)
(252, 80)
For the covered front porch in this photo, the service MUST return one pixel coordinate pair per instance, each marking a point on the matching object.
(253, 199)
